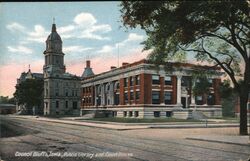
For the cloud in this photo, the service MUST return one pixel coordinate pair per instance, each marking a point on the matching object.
(68, 49)
(66, 29)
(13, 27)
(133, 40)
(20, 49)
(132, 37)
(85, 19)
(38, 35)
(106, 49)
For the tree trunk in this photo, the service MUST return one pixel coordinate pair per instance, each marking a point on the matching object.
(243, 111)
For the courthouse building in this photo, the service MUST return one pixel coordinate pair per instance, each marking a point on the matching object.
(144, 90)
(61, 89)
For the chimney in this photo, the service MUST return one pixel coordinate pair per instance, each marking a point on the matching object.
(124, 63)
(112, 67)
(88, 64)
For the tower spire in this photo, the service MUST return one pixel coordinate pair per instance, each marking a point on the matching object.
(53, 25)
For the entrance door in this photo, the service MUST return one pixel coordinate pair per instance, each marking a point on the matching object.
(183, 102)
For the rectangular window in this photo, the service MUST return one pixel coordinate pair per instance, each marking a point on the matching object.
(66, 104)
(137, 80)
(157, 113)
(198, 100)
(74, 105)
(130, 113)
(168, 80)
(210, 99)
(155, 79)
(57, 104)
(124, 113)
(57, 92)
(138, 95)
(168, 97)
(131, 95)
(66, 92)
(156, 97)
(168, 113)
(125, 82)
(126, 96)
(131, 81)
(136, 113)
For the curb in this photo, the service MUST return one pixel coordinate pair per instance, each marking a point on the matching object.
(217, 141)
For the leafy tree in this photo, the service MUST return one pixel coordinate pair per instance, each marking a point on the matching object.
(30, 93)
(214, 31)
(229, 99)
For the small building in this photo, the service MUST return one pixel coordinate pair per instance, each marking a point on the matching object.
(145, 90)
(7, 109)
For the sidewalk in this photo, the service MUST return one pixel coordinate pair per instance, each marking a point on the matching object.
(227, 139)
(130, 126)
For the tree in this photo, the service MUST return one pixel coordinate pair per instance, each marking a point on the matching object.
(30, 93)
(201, 87)
(229, 99)
(215, 31)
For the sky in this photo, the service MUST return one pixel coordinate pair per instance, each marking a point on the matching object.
(89, 31)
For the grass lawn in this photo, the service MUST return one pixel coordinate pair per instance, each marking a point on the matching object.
(135, 120)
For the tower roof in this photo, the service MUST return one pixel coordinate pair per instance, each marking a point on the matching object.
(54, 36)
(88, 70)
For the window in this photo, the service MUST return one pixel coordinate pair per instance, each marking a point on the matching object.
(199, 100)
(126, 97)
(130, 113)
(137, 80)
(168, 80)
(168, 97)
(124, 113)
(155, 97)
(157, 113)
(74, 105)
(66, 104)
(66, 92)
(131, 81)
(137, 93)
(155, 79)
(125, 82)
(136, 113)
(168, 113)
(131, 95)
(210, 99)
(57, 104)
(57, 92)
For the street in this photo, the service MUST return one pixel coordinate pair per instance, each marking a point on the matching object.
(40, 139)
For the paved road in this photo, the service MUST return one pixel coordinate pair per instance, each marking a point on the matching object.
(47, 138)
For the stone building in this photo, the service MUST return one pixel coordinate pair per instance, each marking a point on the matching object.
(144, 90)
(61, 89)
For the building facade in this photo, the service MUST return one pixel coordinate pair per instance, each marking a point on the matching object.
(21, 108)
(61, 89)
(144, 90)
